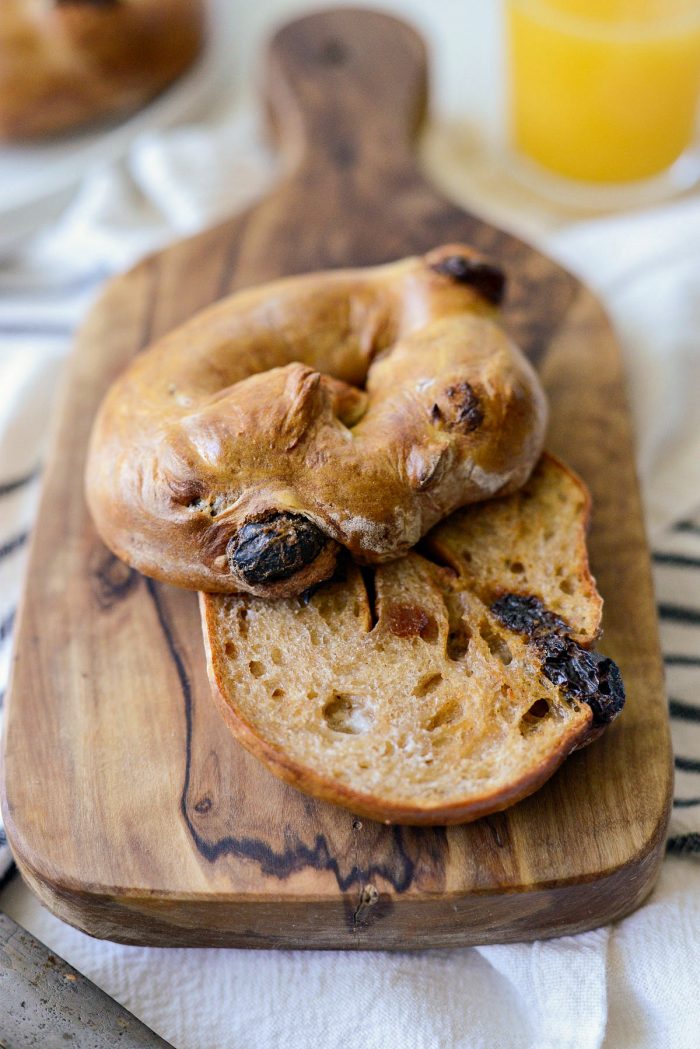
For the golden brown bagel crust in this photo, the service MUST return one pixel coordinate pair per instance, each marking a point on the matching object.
(249, 420)
(64, 63)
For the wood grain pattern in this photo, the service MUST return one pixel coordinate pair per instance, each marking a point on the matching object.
(131, 811)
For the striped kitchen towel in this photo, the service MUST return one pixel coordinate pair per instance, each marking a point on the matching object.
(677, 576)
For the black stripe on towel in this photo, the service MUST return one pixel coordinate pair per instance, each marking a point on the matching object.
(687, 764)
(13, 544)
(685, 803)
(687, 526)
(687, 711)
(6, 625)
(683, 844)
(19, 482)
(7, 876)
(678, 560)
(678, 660)
(679, 614)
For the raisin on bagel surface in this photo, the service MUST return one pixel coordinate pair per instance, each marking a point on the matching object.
(346, 409)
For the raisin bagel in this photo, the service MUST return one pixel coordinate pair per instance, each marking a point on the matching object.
(351, 408)
(64, 63)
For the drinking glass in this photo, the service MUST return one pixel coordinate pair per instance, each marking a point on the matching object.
(603, 96)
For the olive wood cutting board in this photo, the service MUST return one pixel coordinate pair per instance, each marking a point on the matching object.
(132, 812)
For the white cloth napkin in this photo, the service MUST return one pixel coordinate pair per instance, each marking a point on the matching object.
(630, 985)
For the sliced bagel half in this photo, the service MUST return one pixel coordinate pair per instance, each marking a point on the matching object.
(435, 689)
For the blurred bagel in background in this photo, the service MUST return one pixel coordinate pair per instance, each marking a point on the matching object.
(67, 63)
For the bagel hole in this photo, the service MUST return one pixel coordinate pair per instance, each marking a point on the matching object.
(567, 586)
(277, 693)
(516, 567)
(230, 650)
(347, 713)
(256, 668)
(242, 618)
(276, 656)
(351, 408)
(497, 644)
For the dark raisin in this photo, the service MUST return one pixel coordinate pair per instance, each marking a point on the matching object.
(274, 548)
(469, 413)
(460, 409)
(526, 615)
(488, 279)
(594, 678)
(610, 698)
(568, 665)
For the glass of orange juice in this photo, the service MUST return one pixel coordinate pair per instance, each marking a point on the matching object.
(604, 95)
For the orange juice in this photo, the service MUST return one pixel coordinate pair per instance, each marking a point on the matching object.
(604, 90)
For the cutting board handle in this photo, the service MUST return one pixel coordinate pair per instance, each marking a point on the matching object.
(347, 89)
